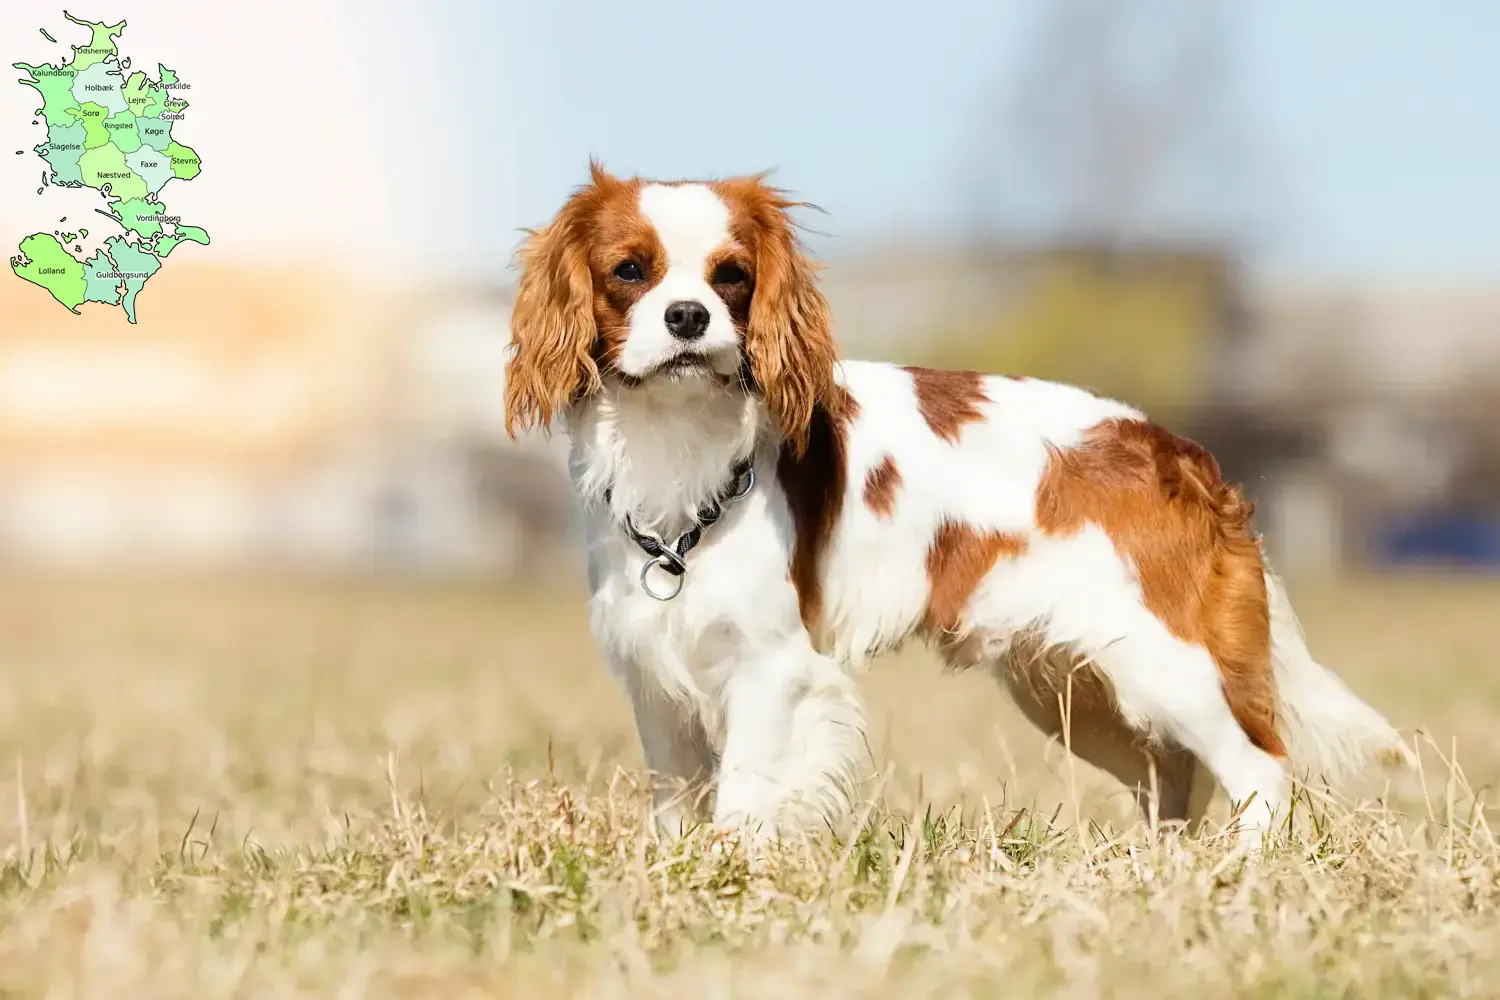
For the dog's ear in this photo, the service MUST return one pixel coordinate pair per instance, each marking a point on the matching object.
(551, 364)
(789, 338)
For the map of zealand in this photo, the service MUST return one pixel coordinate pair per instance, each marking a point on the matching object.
(112, 130)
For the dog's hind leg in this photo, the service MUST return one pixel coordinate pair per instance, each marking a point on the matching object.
(1183, 789)
(1070, 702)
(1174, 691)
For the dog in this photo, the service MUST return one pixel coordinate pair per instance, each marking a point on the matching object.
(762, 518)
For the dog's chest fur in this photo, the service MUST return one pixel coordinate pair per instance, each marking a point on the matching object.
(661, 460)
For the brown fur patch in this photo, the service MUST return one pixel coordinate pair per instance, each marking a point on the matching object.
(957, 559)
(1162, 501)
(814, 479)
(880, 487)
(948, 400)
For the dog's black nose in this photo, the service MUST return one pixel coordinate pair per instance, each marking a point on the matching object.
(687, 320)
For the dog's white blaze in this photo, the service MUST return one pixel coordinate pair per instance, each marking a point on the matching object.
(690, 220)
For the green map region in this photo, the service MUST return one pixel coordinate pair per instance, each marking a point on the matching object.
(110, 129)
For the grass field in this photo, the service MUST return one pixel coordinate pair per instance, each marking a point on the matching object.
(271, 789)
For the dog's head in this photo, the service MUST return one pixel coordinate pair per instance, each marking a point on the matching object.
(641, 282)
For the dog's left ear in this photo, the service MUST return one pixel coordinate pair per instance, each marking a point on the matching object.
(789, 338)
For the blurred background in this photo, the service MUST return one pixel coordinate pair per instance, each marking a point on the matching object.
(1275, 227)
(273, 532)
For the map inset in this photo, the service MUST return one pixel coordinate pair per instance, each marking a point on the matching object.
(109, 129)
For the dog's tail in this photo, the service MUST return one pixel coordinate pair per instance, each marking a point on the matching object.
(1327, 729)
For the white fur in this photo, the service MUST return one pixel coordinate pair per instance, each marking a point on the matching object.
(691, 222)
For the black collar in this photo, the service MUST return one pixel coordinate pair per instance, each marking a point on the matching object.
(673, 558)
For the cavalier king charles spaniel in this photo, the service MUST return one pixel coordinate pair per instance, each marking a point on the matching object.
(763, 517)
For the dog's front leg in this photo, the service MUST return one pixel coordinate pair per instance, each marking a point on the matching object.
(794, 735)
(677, 753)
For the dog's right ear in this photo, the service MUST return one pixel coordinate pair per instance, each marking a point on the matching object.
(552, 323)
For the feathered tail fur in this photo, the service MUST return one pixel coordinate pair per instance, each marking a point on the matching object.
(1326, 727)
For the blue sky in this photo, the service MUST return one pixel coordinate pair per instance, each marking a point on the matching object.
(1374, 125)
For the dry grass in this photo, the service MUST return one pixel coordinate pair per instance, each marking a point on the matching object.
(253, 789)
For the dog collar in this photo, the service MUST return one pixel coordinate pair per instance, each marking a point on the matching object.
(672, 559)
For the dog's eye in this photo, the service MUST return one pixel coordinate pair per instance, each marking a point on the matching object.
(630, 271)
(730, 274)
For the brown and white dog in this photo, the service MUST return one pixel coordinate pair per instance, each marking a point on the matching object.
(762, 518)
